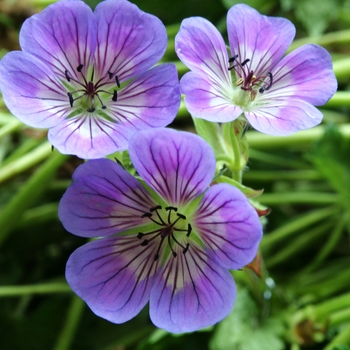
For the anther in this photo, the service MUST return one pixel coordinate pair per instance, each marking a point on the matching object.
(71, 100)
(91, 110)
(110, 74)
(67, 76)
(115, 96)
(140, 235)
(181, 216)
(189, 230)
(158, 207)
(232, 59)
(174, 255)
(156, 257)
(186, 249)
(245, 62)
(171, 208)
(117, 81)
(146, 215)
(80, 67)
(144, 243)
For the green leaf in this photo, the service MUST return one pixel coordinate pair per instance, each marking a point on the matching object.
(261, 6)
(243, 330)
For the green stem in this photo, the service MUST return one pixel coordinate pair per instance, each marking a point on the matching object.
(339, 317)
(43, 213)
(340, 99)
(12, 126)
(342, 68)
(74, 315)
(29, 193)
(298, 197)
(342, 338)
(25, 162)
(261, 175)
(295, 226)
(44, 288)
(300, 139)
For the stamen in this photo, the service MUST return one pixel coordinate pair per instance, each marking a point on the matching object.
(80, 67)
(67, 76)
(189, 230)
(117, 81)
(245, 62)
(171, 208)
(267, 87)
(144, 243)
(186, 249)
(181, 216)
(91, 110)
(232, 59)
(110, 74)
(115, 96)
(71, 99)
(140, 235)
(158, 207)
(146, 215)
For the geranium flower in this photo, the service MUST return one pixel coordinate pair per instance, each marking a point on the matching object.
(276, 95)
(169, 238)
(88, 78)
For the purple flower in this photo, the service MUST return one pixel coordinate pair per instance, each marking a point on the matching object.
(276, 95)
(88, 77)
(169, 238)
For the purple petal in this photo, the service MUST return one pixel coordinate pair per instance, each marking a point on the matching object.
(151, 100)
(200, 46)
(305, 74)
(191, 292)
(262, 39)
(62, 36)
(113, 275)
(284, 116)
(31, 91)
(228, 225)
(102, 200)
(206, 100)
(177, 165)
(129, 41)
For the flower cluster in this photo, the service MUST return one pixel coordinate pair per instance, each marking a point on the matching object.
(170, 241)
(276, 95)
(88, 77)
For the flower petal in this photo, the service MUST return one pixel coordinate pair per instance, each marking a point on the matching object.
(62, 36)
(284, 116)
(191, 292)
(31, 91)
(228, 225)
(306, 74)
(113, 276)
(200, 46)
(205, 100)
(177, 165)
(102, 200)
(130, 41)
(262, 39)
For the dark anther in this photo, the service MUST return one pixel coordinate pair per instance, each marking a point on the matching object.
(104, 107)
(67, 76)
(156, 257)
(189, 230)
(158, 207)
(232, 59)
(115, 96)
(171, 208)
(80, 67)
(91, 110)
(71, 100)
(245, 62)
(186, 249)
(174, 255)
(52, 148)
(117, 81)
(144, 243)
(110, 74)
(140, 235)
(265, 88)
(146, 215)
(181, 216)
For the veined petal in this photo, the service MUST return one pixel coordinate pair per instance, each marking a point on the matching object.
(262, 39)
(151, 100)
(90, 136)
(191, 292)
(113, 276)
(284, 116)
(129, 41)
(177, 165)
(228, 225)
(301, 74)
(63, 36)
(102, 200)
(31, 91)
(206, 100)
(200, 46)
